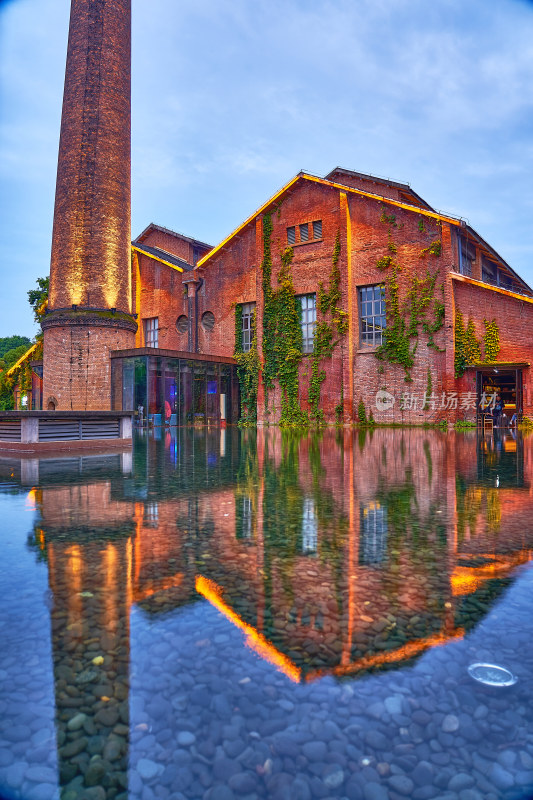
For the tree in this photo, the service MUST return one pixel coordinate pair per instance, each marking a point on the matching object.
(8, 343)
(38, 298)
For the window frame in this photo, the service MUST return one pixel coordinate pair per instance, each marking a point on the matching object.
(314, 223)
(307, 324)
(151, 332)
(248, 315)
(364, 317)
(467, 255)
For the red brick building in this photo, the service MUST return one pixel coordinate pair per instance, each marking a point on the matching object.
(357, 297)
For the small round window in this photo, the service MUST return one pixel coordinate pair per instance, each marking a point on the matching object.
(208, 320)
(182, 324)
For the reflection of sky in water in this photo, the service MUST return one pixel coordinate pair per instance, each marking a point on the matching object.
(297, 626)
(27, 701)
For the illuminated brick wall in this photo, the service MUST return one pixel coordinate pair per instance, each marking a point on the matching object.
(90, 264)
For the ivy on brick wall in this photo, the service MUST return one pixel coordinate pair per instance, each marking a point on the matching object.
(247, 370)
(282, 340)
(421, 309)
(324, 341)
(491, 340)
(282, 332)
(468, 347)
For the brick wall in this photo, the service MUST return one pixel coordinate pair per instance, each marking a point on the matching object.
(90, 262)
(514, 318)
(77, 366)
(233, 275)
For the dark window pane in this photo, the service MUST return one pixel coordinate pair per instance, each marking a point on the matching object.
(317, 229)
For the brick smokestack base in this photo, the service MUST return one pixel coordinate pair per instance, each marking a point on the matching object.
(76, 360)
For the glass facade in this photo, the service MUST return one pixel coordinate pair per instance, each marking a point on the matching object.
(175, 391)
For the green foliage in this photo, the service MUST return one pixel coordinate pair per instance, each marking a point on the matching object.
(491, 340)
(463, 425)
(323, 342)
(282, 332)
(467, 348)
(247, 371)
(12, 356)
(387, 219)
(10, 343)
(361, 413)
(472, 348)
(385, 262)
(434, 249)
(38, 298)
(420, 308)
(421, 224)
(21, 376)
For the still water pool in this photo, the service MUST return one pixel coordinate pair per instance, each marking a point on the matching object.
(239, 614)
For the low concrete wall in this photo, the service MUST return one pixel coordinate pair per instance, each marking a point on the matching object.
(37, 431)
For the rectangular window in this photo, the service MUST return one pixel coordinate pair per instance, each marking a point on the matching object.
(151, 330)
(317, 229)
(489, 272)
(372, 314)
(291, 235)
(373, 535)
(304, 232)
(309, 527)
(308, 302)
(467, 256)
(248, 311)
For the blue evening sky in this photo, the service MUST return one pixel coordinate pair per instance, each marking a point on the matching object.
(231, 98)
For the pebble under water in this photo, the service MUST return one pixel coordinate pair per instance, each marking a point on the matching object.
(235, 615)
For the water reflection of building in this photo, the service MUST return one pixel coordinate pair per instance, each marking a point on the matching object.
(332, 555)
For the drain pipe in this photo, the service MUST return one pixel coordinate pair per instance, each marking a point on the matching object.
(193, 286)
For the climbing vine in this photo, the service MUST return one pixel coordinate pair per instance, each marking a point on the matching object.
(282, 332)
(468, 347)
(323, 341)
(247, 370)
(434, 249)
(491, 340)
(421, 308)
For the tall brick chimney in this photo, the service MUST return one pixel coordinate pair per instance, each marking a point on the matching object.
(90, 303)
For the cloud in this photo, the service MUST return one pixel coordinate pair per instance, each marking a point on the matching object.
(231, 99)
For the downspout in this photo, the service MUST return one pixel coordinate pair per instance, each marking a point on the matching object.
(193, 286)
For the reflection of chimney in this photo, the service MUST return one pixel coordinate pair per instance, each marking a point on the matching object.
(90, 650)
(90, 273)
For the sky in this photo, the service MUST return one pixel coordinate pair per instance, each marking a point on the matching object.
(232, 98)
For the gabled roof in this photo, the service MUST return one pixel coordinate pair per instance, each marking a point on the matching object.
(163, 256)
(404, 188)
(491, 252)
(153, 227)
(305, 176)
